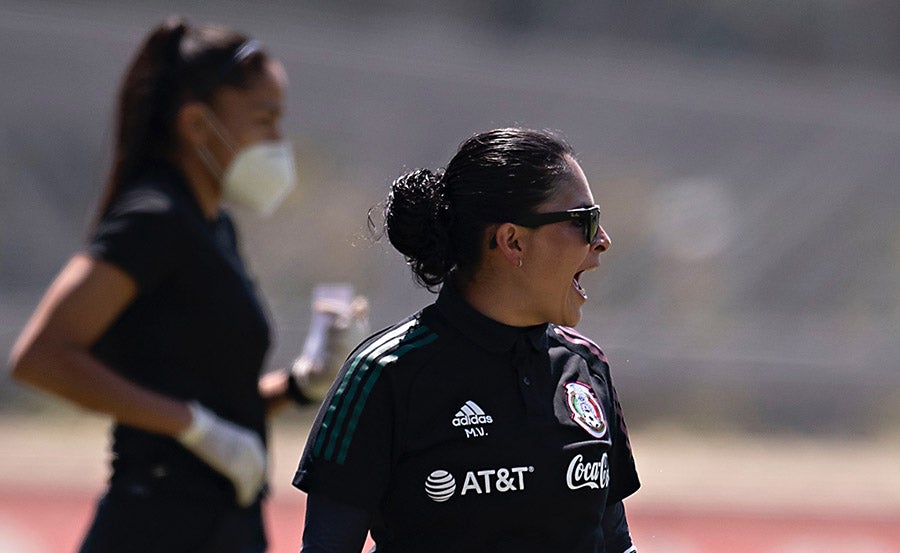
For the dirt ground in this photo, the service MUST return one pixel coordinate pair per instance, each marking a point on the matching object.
(69, 451)
(720, 482)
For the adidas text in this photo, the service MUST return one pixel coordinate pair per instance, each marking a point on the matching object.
(469, 420)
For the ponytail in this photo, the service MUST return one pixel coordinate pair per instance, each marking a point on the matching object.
(147, 105)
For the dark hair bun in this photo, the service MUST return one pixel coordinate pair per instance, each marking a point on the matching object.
(417, 221)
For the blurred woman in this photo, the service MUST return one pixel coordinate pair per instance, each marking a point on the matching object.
(157, 322)
(483, 422)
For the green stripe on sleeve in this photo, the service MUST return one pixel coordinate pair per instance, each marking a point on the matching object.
(361, 403)
(359, 371)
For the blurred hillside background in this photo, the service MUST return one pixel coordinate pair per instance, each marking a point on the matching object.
(746, 157)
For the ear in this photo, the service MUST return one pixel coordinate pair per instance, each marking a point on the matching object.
(191, 124)
(509, 240)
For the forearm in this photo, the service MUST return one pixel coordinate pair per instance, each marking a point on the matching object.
(75, 375)
(53, 351)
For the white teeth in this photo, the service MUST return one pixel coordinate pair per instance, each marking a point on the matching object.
(578, 288)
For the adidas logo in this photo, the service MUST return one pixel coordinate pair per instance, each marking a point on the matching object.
(471, 414)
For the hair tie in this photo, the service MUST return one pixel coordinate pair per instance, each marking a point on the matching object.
(246, 50)
(243, 52)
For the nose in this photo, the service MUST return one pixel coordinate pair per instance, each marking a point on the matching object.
(602, 242)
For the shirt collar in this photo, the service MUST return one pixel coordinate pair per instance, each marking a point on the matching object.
(491, 335)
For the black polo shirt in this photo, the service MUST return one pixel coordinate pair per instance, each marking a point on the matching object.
(460, 433)
(195, 331)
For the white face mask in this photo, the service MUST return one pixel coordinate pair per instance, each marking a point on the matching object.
(259, 176)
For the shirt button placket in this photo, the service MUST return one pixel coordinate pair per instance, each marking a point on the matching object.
(523, 360)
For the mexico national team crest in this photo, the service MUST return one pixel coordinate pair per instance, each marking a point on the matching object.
(585, 409)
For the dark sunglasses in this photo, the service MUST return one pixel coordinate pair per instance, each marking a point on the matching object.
(588, 219)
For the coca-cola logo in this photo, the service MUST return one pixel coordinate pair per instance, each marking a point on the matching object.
(587, 474)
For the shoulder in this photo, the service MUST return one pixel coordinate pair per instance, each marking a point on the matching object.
(147, 193)
(575, 342)
(397, 353)
(412, 334)
(572, 339)
(144, 230)
(157, 192)
(139, 209)
(382, 362)
(143, 198)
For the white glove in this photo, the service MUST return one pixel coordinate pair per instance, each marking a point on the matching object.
(234, 451)
(339, 322)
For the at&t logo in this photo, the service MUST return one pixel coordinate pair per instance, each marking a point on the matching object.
(441, 485)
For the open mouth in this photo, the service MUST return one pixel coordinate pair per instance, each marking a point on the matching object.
(577, 285)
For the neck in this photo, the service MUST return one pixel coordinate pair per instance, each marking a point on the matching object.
(500, 294)
(205, 187)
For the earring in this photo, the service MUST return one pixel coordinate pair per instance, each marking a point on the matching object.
(519, 264)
